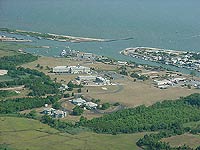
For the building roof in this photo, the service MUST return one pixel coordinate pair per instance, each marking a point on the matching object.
(3, 72)
(60, 67)
(49, 109)
(79, 100)
(91, 104)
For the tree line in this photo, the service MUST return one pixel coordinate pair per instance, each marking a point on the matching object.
(10, 62)
(159, 116)
(20, 104)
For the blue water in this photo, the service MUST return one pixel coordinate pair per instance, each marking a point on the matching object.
(171, 24)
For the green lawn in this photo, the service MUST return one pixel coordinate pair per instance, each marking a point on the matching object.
(23, 134)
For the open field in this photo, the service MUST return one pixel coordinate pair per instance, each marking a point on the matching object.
(23, 134)
(187, 139)
(137, 93)
(128, 93)
(5, 52)
(55, 61)
(9, 49)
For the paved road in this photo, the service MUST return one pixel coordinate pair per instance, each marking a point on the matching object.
(120, 107)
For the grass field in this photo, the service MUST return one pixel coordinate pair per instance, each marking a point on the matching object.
(137, 93)
(187, 139)
(23, 134)
(9, 49)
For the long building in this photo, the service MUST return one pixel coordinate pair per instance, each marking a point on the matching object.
(79, 69)
(61, 69)
(71, 69)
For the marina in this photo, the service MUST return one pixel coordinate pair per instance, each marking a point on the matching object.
(180, 59)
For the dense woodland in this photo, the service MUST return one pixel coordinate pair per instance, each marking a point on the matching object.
(5, 94)
(20, 104)
(10, 62)
(37, 82)
(161, 115)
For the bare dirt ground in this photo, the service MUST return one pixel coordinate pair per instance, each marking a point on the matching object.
(13, 88)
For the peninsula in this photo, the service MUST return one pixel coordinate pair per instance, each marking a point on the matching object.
(181, 59)
(50, 36)
(12, 39)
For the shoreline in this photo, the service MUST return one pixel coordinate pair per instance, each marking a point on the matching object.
(51, 36)
(12, 39)
(180, 59)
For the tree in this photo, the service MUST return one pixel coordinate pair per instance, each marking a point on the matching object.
(66, 95)
(38, 65)
(105, 106)
(79, 90)
(32, 114)
(77, 111)
(198, 148)
(56, 105)
(189, 86)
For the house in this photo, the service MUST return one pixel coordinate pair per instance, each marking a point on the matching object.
(78, 101)
(55, 113)
(91, 105)
(48, 111)
(59, 114)
(122, 63)
(88, 56)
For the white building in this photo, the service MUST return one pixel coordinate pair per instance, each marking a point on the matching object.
(78, 101)
(122, 63)
(3, 72)
(163, 82)
(91, 105)
(71, 69)
(102, 81)
(55, 113)
(48, 111)
(59, 114)
(79, 69)
(88, 56)
(61, 69)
